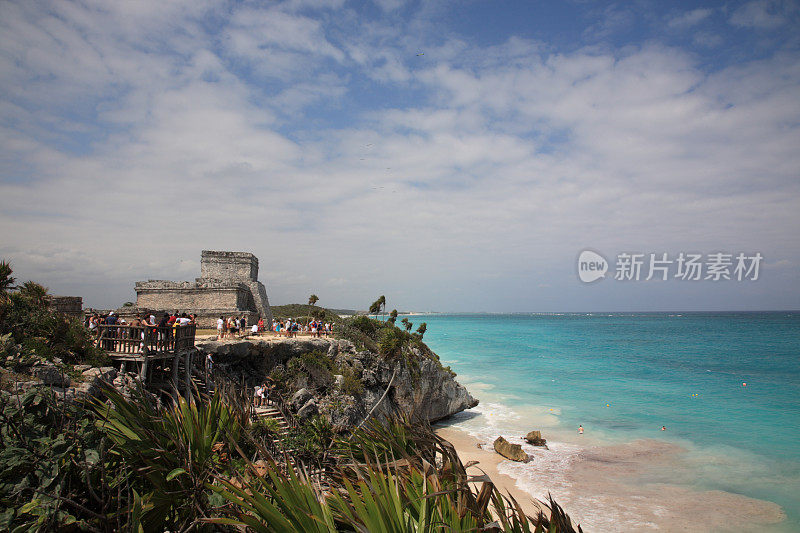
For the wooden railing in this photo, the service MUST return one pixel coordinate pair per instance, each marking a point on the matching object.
(124, 339)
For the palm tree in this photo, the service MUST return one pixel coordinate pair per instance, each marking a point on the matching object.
(406, 324)
(6, 279)
(312, 301)
(393, 316)
(422, 329)
(374, 309)
(34, 292)
(382, 302)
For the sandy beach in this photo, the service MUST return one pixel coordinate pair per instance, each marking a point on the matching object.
(600, 497)
(468, 450)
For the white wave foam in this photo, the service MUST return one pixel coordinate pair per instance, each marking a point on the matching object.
(621, 487)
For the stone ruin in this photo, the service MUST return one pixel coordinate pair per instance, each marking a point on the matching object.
(71, 306)
(228, 285)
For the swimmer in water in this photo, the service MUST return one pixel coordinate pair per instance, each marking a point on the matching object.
(580, 430)
(663, 428)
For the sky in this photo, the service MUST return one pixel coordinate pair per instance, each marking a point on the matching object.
(453, 156)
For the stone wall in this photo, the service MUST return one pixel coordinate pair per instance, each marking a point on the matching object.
(170, 295)
(68, 305)
(241, 266)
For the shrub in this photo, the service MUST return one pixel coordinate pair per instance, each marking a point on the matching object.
(55, 469)
(310, 440)
(351, 385)
(46, 333)
(391, 344)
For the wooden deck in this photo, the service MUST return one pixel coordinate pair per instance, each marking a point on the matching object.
(157, 354)
(140, 342)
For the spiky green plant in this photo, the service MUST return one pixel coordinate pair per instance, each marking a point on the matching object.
(177, 450)
(275, 502)
(396, 478)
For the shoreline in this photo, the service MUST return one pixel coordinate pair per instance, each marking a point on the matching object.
(488, 461)
(597, 493)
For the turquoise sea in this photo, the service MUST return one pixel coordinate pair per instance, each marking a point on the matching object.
(726, 386)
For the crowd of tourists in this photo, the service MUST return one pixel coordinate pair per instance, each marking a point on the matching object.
(233, 327)
(167, 320)
(291, 328)
(261, 394)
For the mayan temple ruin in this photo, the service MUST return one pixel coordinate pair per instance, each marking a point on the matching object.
(228, 285)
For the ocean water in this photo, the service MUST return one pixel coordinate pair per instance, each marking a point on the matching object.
(726, 386)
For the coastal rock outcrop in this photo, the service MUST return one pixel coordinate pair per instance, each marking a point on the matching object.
(534, 438)
(346, 383)
(510, 451)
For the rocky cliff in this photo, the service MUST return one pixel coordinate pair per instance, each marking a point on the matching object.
(332, 377)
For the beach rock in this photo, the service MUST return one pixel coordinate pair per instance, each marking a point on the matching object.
(300, 398)
(535, 438)
(308, 410)
(510, 451)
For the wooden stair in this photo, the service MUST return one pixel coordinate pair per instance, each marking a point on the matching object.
(271, 412)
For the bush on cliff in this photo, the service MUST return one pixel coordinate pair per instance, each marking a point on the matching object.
(25, 316)
(301, 312)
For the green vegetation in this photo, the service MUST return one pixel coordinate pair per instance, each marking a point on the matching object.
(301, 311)
(352, 384)
(387, 340)
(310, 440)
(314, 370)
(176, 451)
(398, 477)
(50, 456)
(6, 279)
(29, 330)
(134, 465)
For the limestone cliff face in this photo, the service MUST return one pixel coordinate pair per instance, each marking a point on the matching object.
(421, 387)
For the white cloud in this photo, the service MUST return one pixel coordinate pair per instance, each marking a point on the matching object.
(271, 135)
(689, 18)
(764, 14)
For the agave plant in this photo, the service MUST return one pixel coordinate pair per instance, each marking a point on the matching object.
(176, 449)
(279, 500)
(396, 477)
